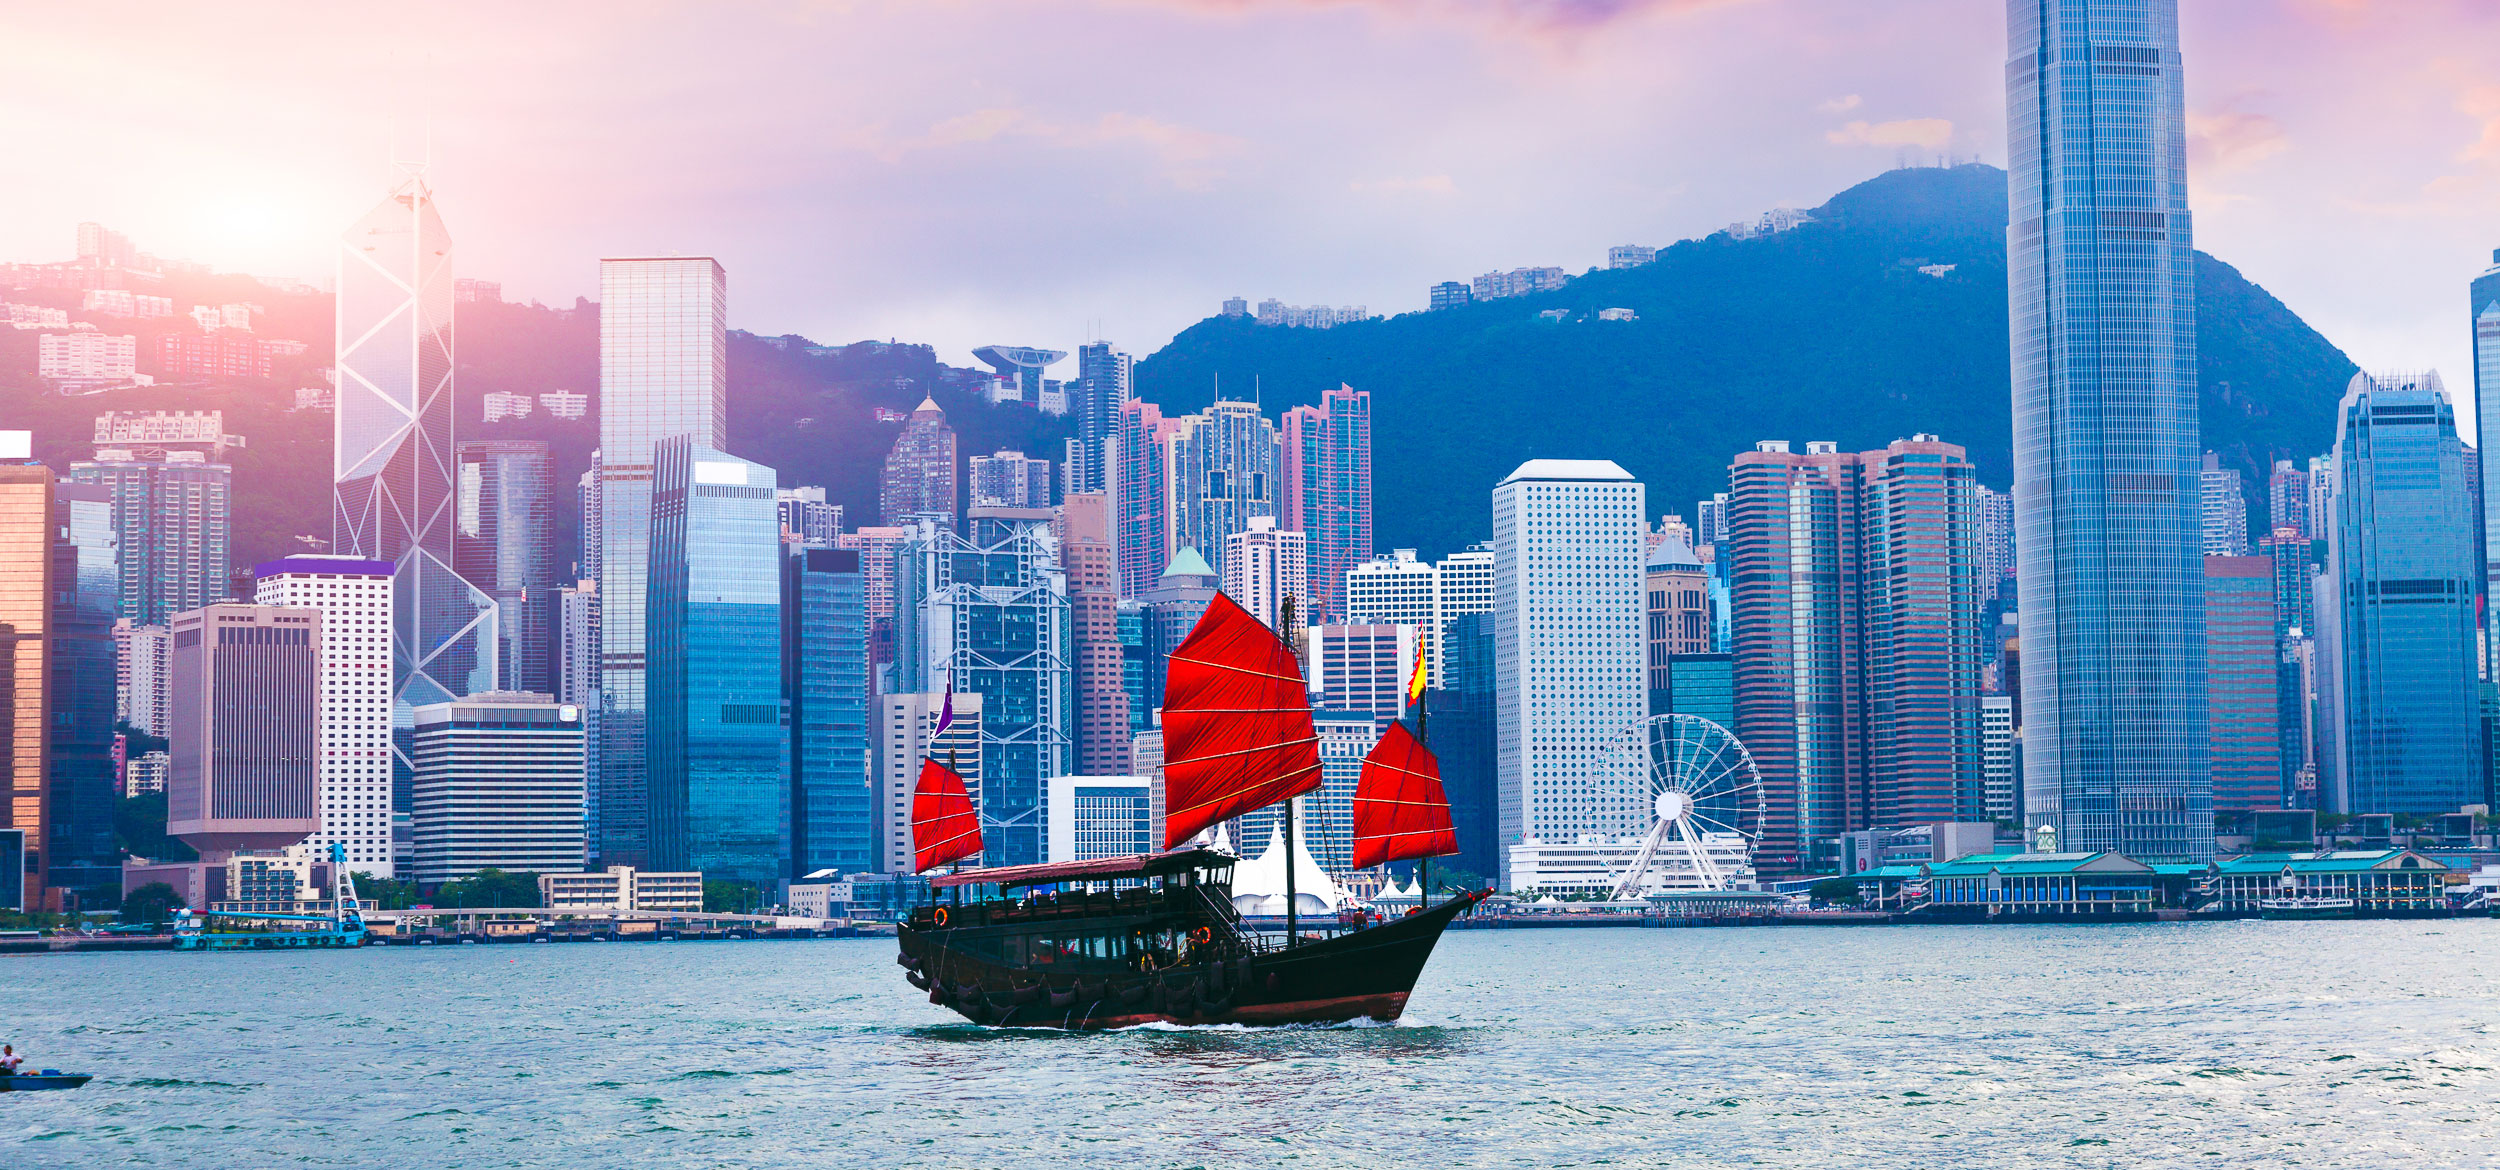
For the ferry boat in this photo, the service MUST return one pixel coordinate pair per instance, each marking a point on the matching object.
(2307, 908)
(1154, 937)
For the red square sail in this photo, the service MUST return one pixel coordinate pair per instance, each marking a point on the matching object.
(1237, 731)
(944, 825)
(1400, 811)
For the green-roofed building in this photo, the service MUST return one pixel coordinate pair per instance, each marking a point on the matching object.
(2376, 881)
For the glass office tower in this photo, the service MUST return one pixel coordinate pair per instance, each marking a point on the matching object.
(2102, 301)
(824, 673)
(717, 783)
(505, 543)
(2396, 606)
(2483, 309)
(663, 372)
(392, 457)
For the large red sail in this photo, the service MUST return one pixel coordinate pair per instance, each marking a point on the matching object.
(1237, 731)
(1400, 811)
(944, 825)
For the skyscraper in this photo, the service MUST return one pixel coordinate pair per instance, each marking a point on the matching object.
(806, 518)
(824, 668)
(577, 682)
(1103, 725)
(1327, 469)
(1921, 624)
(1008, 480)
(1856, 637)
(26, 594)
(1571, 658)
(246, 738)
(82, 855)
(718, 782)
(2101, 280)
(1361, 670)
(1996, 543)
(172, 515)
(499, 786)
(1677, 588)
(990, 612)
(144, 654)
(2241, 662)
(504, 543)
(2396, 607)
(907, 733)
(1102, 388)
(2483, 312)
(1141, 495)
(1263, 566)
(2223, 514)
(2287, 498)
(919, 477)
(1223, 472)
(1177, 600)
(663, 372)
(353, 793)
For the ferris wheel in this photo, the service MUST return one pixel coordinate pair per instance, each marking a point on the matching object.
(1705, 796)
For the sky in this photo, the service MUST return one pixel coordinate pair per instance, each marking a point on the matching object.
(1045, 172)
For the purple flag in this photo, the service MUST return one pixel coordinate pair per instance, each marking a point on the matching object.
(946, 714)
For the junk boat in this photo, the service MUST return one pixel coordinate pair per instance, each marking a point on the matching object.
(50, 1078)
(1154, 937)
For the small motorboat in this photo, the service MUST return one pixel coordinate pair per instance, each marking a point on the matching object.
(50, 1078)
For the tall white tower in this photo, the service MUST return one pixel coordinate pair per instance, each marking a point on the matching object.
(1570, 655)
(353, 694)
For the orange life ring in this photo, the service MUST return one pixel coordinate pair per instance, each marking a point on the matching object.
(939, 917)
(1202, 936)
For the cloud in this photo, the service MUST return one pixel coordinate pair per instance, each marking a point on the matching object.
(2482, 103)
(1543, 17)
(1841, 105)
(2231, 140)
(1186, 155)
(1406, 185)
(1931, 133)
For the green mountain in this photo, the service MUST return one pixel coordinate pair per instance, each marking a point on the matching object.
(1827, 331)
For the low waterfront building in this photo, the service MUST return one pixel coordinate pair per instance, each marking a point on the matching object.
(2377, 881)
(1594, 863)
(2055, 885)
(621, 887)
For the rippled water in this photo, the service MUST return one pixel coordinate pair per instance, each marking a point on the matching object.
(2210, 1044)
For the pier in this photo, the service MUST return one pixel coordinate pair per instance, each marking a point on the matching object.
(512, 924)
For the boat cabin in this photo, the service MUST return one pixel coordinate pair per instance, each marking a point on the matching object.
(1151, 911)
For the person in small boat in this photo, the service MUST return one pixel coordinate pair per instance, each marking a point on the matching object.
(9, 1060)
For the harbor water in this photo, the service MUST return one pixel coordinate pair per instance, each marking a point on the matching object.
(2274, 1044)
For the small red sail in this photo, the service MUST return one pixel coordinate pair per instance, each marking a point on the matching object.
(1400, 811)
(1237, 731)
(944, 825)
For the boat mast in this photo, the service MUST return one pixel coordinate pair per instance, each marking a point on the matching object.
(1423, 865)
(1285, 619)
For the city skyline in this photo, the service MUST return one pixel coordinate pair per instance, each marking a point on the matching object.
(2318, 193)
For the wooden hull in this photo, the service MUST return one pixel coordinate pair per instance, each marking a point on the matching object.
(1361, 974)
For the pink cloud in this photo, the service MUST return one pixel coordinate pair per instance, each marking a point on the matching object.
(1931, 133)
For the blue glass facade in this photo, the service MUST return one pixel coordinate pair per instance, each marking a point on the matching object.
(663, 371)
(717, 787)
(2483, 310)
(2396, 606)
(2102, 314)
(824, 664)
(503, 541)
